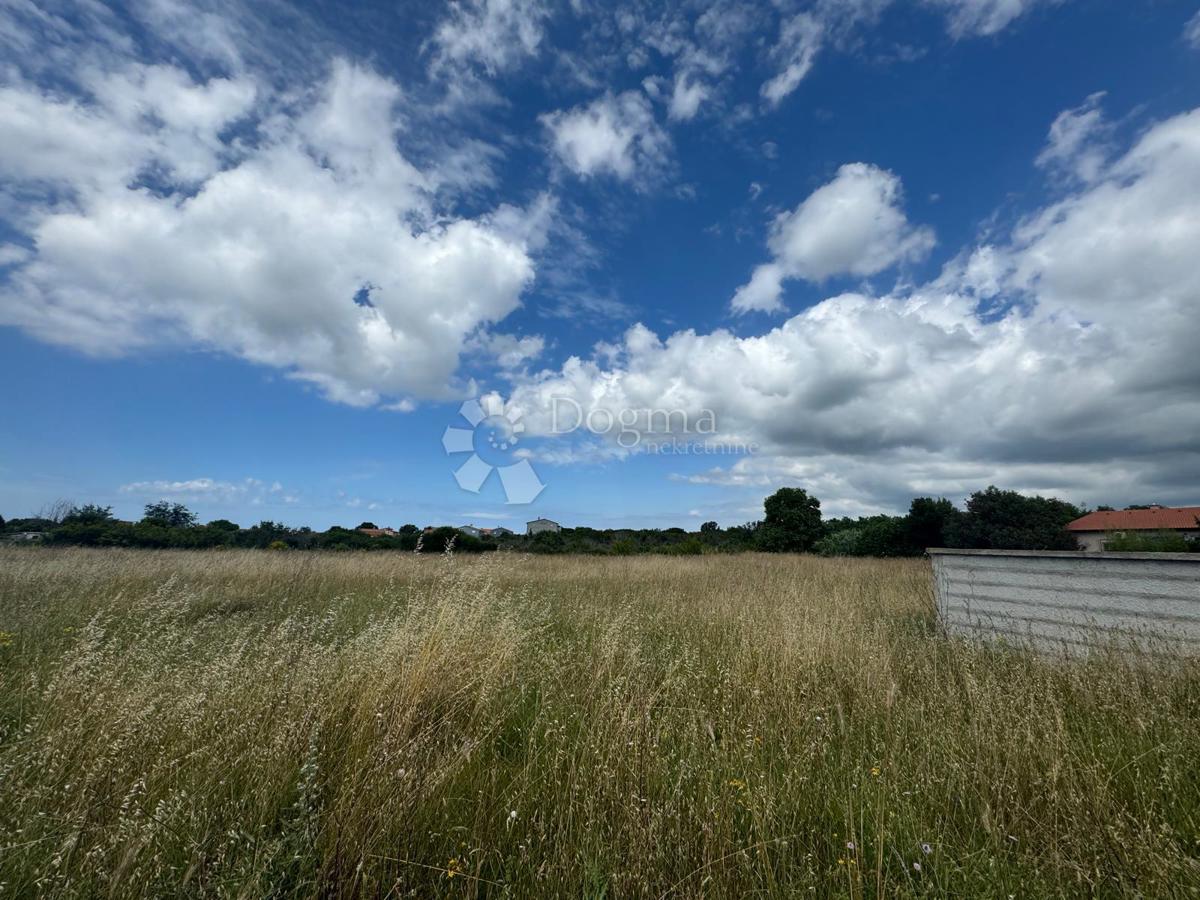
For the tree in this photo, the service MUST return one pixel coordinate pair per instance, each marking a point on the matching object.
(1, 521)
(88, 514)
(710, 528)
(57, 511)
(370, 525)
(792, 522)
(929, 521)
(1006, 520)
(843, 542)
(883, 536)
(224, 525)
(169, 515)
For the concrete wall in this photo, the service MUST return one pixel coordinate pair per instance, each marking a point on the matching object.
(1071, 601)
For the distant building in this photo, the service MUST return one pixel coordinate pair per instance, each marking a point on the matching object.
(471, 531)
(379, 532)
(537, 526)
(22, 537)
(498, 531)
(1093, 530)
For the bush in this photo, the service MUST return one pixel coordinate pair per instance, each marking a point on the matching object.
(1151, 542)
(843, 542)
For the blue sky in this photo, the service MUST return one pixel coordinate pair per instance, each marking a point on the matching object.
(255, 258)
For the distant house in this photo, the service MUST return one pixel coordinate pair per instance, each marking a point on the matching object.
(537, 526)
(1093, 530)
(23, 537)
(379, 532)
(498, 531)
(471, 531)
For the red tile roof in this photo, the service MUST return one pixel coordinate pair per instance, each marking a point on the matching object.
(1180, 517)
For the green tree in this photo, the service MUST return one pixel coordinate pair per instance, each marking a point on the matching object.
(169, 515)
(1006, 520)
(883, 536)
(929, 522)
(710, 528)
(224, 525)
(792, 522)
(88, 514)
(843, 542)
(370, 525)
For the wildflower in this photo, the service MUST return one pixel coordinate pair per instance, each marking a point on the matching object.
(926, 849)
(875, 771)
(841, 862)
(916, 867)
(512, 815)
(6, 638)
(453, 867)
(737, 783)
(850, 846)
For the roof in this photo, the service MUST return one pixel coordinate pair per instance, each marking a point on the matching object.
(377, 532)
(551, 521)
(1152, 519)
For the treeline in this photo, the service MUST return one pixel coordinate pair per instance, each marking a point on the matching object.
(792, 523)
(173, 526)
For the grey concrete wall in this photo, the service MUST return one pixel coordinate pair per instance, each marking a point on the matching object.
(1071, 601)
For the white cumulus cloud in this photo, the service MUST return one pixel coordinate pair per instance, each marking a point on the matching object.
(1082, 378)
(151, 227)
(613, 135)
(854, 225)
(494, 35)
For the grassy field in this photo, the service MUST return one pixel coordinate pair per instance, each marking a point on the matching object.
(247, 724)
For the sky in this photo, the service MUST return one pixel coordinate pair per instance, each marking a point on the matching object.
(616, 264)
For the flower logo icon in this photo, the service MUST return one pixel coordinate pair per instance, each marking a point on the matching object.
(494, 431)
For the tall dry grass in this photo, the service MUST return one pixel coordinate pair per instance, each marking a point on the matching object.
(250, 724)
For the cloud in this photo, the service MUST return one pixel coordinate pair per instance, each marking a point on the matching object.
(1075, 145)
(1191, 31)
(511, 352)
(686, 98)
(800, 38)
(804, 35)
(612, 135)
(494, 35)
(165, 210)
(763, 292)
(854, 225)
(1061, 359)
(212, 490)
(982, 17)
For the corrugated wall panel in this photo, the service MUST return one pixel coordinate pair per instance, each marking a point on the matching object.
(1071, 601)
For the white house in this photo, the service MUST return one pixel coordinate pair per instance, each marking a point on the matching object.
(537, 526)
